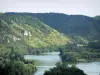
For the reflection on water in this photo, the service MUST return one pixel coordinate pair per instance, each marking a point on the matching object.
(48, 60)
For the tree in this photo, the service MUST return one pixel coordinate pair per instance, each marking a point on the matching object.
(64, 70)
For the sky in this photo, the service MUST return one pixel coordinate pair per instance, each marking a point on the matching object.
(70, 7)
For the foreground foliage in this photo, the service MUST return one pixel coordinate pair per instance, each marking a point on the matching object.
(63, 69)
(14, 64)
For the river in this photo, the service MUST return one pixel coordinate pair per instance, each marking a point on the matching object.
(48, 60)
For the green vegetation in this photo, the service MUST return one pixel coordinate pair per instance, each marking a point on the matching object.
(80, 53)
(23, 34)
(28, 34)
(63, 69)
(14, 64)
(97, 17)
(75, 36)
(74, 26)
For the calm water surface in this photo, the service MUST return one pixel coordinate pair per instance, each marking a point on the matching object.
(48, 60)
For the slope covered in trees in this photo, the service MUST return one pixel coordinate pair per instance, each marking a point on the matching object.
(75, 26)
(28, 34)
(78, 27)
(97, 17)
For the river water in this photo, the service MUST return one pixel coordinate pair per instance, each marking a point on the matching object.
(48, 60)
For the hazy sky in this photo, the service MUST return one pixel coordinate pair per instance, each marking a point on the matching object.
(83, 7)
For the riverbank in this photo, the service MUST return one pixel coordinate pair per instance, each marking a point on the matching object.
(45, 61)
(48, 60)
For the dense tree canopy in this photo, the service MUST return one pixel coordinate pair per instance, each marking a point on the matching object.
(63, 69)
(15, 64)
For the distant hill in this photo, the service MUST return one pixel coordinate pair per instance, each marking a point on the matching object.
(76, 26)
(97, 17)
(27, 34)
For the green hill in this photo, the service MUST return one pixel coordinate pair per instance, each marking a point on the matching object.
(97, 17)
(30, 32)
(27, 34)
(78, 27)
